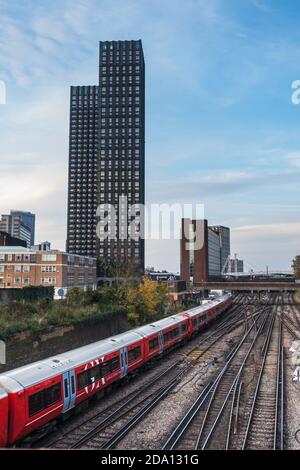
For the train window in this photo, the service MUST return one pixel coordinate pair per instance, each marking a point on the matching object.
(44, 399)
(53, 395)
(82, 380)
(66, 387)
(134, 354)
(36, 403)
(153, 343)
(171, 334)
(105, 369)
(110, 366)
(194, 322)
(183, 327)
(114, 363)
(73, 385)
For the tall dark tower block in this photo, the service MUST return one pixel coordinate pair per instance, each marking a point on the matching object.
(107, 157)
(83, 170)
(122, 142)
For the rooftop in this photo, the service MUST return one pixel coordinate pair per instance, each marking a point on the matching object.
(21, 249)
(15, 249)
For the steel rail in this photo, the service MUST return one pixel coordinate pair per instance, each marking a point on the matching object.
(115, 416)
(277, 386)
(187, 419)
(237, 377)
(257, 389)
(120, 403)
(231, 416)
(119, 435)
(282, 401)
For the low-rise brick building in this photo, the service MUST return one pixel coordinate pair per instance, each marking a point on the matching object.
(22, 267)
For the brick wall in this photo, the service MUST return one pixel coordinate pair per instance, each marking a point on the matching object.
(25, 348)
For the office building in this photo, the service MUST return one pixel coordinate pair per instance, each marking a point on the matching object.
(20, 225)
(107, 155)
(28, 219)
(224, 238)
(201, 258)
(23, 267)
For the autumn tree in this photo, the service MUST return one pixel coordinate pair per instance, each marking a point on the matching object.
(147, 301)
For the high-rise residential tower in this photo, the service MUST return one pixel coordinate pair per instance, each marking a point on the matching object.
(19, 224)
(107, 156)
(83, 170)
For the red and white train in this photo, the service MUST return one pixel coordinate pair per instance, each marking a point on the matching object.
(37, 394)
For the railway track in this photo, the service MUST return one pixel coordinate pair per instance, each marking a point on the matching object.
(100, 422)
(108, 426)
(105, 428)
(263, 429)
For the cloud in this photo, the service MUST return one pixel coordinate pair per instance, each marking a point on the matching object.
(222, 183)
(274, 245)
(263, 6)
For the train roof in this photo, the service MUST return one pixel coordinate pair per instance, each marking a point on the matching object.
(50, 367)
(45, 369)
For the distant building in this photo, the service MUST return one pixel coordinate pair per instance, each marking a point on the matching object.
(235, 265)
(7, 240)
(43, 246)
(203, 263)
(20, 225)
(27, 219)
(162, 276)
(21, 267)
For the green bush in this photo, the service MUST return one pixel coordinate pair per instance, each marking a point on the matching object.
(21, 316)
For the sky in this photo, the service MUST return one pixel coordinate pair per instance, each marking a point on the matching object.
(221, 127)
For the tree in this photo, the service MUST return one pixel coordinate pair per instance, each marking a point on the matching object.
(296, 266)
(75, 295)
(147, 300)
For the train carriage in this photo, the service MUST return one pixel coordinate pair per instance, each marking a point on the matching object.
(152, 340)
(3, 418)
(174, 330)
(42, 391)
(39, 393)
(202, 315)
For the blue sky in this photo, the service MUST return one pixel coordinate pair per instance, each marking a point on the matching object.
(221, 128)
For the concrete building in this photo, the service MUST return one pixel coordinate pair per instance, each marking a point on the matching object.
(22, 267)
(20, 225)
(201, 262)
(107, 155)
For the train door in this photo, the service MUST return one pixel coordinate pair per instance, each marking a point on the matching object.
(124, 361)
(69, 388)
(161, 341)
